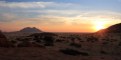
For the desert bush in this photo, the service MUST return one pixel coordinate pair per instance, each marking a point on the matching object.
(73, 52)
(45, 37)
(23, 39)
(18, 39)
(72, 39)
(13, 41)
(105, 43)
(81, 41)
(59, 40)
(37, 39)
(78, 38)
(76, 45)
(107, 39)
(30, 44)
(92, 39)
(119, 44)
(103, 52)
(49, 41)
(24, 44)
(70, 52)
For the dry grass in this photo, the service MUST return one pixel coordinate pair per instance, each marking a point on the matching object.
(95, 46)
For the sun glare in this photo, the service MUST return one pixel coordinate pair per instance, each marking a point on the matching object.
(98, 25)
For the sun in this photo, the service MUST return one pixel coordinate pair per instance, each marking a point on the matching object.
(98, 25)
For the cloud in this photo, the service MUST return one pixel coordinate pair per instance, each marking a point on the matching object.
(67, 12)
(91, 16)
(24, 4)
(72, 13)
(7, 17)
(31, 4)
(63, 16)
(45, 20)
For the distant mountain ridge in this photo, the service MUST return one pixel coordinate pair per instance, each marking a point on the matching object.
(112, 29)
(30, 30)
(23, 32)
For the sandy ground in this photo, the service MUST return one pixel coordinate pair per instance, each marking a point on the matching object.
(104, 48)
(32, 53)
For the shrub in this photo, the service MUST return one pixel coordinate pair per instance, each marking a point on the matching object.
(76, 45)
(49, 41)
(119, 44)
(13, 41)
(59, 40)
(73, 52)
(92, 39)
(24, 44)
(73, 39)
(105, 43)
(40, 37)
(103, 52)
(37, 39)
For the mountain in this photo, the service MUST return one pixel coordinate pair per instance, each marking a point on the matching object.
(23, 32)
(30, 30)
(112, 29)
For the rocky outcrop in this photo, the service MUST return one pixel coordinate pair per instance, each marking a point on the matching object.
(112, 29)
(3, 41)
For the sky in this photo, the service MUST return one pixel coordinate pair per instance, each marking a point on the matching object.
(59, 15)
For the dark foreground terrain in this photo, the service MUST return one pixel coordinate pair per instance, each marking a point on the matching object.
(32, 53)
(63, 46)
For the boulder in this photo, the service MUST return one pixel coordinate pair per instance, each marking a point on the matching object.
(3, 41)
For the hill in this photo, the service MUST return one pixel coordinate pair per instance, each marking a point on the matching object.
(112, 29)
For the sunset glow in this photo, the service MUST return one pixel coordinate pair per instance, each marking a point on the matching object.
(98, 25)
(59, 15)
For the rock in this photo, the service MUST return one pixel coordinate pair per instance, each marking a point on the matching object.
(112, 29)
(3, 41)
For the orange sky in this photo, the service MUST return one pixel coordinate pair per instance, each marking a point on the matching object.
(59, 15)
(82, 27)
